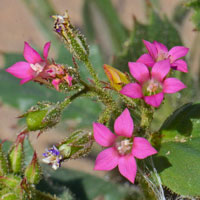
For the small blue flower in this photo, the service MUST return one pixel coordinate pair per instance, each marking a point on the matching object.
(53, 157)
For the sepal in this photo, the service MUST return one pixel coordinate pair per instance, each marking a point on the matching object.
(3, 162)
(16, 154)
(33, 171)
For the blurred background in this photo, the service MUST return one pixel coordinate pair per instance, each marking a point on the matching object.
(114, 30)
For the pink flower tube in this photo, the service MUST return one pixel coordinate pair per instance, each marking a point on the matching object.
(123, 148)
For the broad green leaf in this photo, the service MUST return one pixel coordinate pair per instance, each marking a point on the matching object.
(84, 186)
(178, 160)
(179, 165)
(183, 124)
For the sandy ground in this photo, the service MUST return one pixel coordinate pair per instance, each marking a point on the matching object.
(17, 25)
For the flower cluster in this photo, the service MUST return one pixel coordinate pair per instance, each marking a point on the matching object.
(39, 69)
(153, 82)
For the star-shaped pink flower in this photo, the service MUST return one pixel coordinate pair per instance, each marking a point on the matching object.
(123, 148)
(27, 71)
(152, 85)
(158, 51)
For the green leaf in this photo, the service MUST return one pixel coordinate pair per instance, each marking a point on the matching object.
(183, 124)
(178, 161)
(83, 186)
(101, 18)
(179, 165)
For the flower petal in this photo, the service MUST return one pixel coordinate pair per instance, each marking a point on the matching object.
(172, 85)
(142, 148)
(146, 59)
(26, 80)
(103, 135)
(160, 70)
(151, 49)
(107, 159)
(56, 83)
(154, 100)
(124, 124)
(132, 90)
(46, 50)
(128, 167)
(180, 65)
(21, 70)
(160, 47)
(178, 52)
(31, 55)
(139, 71)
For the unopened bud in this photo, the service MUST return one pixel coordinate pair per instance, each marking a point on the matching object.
(76, 145)
(33, 171)
(117, 78)
(3, 162)
(16, 154)
(42, 116)
(75, 41)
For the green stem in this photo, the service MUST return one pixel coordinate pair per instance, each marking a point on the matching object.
(146, 116)
(68, 100)
(93, 73)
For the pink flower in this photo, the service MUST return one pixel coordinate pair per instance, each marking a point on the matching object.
(122, 147)
(158, 51)
(33, 67)
(152, 85)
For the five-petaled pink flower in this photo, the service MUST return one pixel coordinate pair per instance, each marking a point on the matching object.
(158, 51)
(123, 147)
(34, 66)
(152, 85)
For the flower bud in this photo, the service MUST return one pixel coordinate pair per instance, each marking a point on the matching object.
(76, 145)
(75, 41)
(3, 163)
(117, 78)
(42, 116)
(33, 171)
(16, 154)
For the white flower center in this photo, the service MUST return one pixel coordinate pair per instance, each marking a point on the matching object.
(38, 67)
(124, 146)
(151, 87)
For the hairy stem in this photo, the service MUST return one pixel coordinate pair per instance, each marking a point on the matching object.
(93, 73)
(68, 100)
